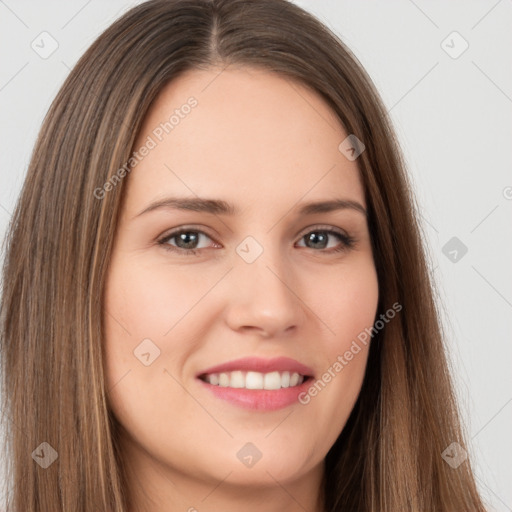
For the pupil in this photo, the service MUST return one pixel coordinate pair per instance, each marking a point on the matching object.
(313, 237)
(184, 236)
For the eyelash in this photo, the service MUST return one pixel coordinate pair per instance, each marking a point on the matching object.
(348, 242)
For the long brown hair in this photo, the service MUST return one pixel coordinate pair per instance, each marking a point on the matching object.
(388, 456)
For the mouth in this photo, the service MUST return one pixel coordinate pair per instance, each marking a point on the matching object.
(258, 384)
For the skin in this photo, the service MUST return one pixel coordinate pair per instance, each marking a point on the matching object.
(267, 145)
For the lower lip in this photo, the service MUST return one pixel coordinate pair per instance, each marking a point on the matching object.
(259, 399)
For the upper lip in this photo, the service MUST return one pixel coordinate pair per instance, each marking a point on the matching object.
(261, 365)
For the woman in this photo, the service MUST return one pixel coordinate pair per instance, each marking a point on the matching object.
(215, 292)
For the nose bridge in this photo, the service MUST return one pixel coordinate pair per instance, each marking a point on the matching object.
(262, 257)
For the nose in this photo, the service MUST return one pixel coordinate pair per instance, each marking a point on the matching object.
(261, 296)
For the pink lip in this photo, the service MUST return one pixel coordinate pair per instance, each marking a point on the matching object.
(260, 399)
(256, 364)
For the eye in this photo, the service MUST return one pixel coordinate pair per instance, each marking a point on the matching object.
(187, 240)
(319, 239)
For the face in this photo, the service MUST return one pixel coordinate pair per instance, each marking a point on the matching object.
(221, 316)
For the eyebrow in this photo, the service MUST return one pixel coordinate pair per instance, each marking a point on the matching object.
(221, 207)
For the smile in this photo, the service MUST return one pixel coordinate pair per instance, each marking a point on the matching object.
(256, 383)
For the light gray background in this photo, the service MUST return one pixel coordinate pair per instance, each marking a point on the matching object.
(453, 119)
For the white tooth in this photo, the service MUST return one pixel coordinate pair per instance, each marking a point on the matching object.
(294, 379)
(272, 381)
(254, 380)
(223, 380)
(237, 380)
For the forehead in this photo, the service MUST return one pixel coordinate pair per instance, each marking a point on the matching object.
(242, 132)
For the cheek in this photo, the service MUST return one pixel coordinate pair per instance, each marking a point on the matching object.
(141, 310)
(147, 303)
(350, 314)
(143, 304)
(347, 304)
(138, 308)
